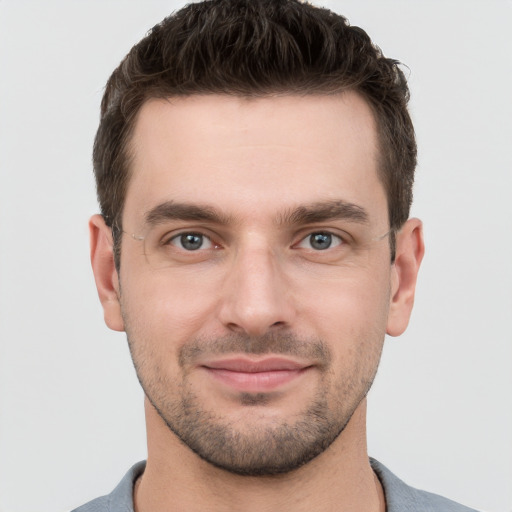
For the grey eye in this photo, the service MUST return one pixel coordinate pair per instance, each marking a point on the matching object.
(191, 241)
(320, 241)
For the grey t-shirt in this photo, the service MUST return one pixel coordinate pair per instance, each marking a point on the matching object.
(399, 496)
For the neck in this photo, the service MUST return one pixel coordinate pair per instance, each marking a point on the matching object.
(340, 479)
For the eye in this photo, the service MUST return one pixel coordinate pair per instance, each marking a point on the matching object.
(191, 241)
(320, 241)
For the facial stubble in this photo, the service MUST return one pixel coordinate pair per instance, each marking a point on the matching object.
(254, 448)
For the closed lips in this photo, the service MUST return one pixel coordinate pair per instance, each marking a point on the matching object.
(250, 366)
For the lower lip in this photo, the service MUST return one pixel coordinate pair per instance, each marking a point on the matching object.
(255, 382)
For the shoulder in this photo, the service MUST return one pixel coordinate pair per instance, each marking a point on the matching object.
(120, 499)
(400, 497)
(96, 505)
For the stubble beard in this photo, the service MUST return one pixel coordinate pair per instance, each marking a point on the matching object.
(264, 449)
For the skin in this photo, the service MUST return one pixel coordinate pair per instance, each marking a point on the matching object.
(257, 289)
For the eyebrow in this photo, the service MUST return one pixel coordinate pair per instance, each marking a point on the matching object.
(171, 210)
(306, 214)
(323, 211)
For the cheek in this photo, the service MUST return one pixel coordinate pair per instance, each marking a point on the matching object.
(165, 312)
(354, 325)
(348, 305)
(350, 315)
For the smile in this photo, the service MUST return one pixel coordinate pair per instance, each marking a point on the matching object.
(250, 376)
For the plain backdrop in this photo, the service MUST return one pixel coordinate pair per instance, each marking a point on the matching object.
(71, 411)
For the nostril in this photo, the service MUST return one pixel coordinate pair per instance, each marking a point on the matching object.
(234, 327)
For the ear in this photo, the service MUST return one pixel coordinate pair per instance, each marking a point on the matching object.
(409, 253)
(105, 273)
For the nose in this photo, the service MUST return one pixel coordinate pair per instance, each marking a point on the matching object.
(257, 296)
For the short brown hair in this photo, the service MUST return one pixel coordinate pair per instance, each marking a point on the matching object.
(254, 48)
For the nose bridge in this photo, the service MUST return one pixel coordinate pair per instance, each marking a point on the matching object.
(257, 297)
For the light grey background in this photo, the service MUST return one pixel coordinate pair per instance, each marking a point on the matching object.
(71, 418)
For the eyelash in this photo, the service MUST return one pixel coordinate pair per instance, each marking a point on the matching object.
(334, 238)
(192, 234)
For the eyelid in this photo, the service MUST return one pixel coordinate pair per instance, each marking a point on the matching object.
(344, 236)
(220, 240)
(335, 243)
(206, 240)
(171, 235)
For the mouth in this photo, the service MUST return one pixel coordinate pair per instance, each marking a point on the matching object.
(256, 376)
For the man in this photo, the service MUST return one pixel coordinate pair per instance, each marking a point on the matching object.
(254, 166)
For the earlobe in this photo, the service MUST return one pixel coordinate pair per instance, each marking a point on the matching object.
(105, 273)
(409, 253)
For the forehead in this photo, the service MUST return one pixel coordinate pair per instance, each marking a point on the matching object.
(258, 155)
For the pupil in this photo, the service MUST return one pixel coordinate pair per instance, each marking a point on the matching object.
(321, 241)
(191, 241)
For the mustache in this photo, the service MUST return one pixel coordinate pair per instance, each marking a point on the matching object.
(287, 344)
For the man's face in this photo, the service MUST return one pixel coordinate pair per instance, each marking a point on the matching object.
(255, 291)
